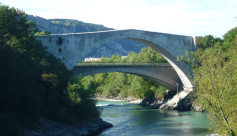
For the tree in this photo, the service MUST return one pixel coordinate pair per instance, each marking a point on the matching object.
(215, 91)
(189, 60)
(42, 33)
(230, 35)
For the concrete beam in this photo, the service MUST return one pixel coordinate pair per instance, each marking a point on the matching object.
(162, 75)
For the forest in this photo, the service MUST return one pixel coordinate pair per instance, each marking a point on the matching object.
(34, 83)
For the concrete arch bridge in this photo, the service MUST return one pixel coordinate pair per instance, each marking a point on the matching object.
(72, 48)
(161, 73)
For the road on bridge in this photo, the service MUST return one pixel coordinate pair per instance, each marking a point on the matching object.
(149, 64)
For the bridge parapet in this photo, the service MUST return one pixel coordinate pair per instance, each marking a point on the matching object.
(130, 64)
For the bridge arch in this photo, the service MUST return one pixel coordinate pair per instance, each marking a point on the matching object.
(77, 45)
(162, 75)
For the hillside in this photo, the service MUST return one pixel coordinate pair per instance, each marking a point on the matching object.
(62, 26)
(79, 25)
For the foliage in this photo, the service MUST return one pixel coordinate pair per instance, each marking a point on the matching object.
(216, 89)
(215, 79)
(199, 40)
(235, 41)
(203, 43)
(208, 41)
(216, 83)
(190, 58)
(42, 33)
(230, 35)
(34, 83)
(85, 108)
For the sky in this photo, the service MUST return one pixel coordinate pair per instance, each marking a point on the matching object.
(182, 17)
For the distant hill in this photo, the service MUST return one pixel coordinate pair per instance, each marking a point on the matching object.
(62, 26)
(79, 25)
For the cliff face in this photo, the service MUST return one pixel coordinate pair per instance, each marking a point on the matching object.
(121, 47)
(44, 25)
(62, 26)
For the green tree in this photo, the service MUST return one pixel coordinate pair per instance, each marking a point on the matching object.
(215, 80)
(42, 33)
(230, 35)
(215, 89)
(190, 59)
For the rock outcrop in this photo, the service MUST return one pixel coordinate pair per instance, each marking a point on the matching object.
(45, 25)
(111, 98)
(179, 102)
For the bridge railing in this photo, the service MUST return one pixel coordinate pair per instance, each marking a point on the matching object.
(122, 63)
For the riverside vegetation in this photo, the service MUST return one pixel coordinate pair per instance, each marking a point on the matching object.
(34, 83)
(215, 79)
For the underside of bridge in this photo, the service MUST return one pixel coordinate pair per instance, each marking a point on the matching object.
(164, 76)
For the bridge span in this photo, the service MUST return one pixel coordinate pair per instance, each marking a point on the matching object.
(72, 48)
(161, 73)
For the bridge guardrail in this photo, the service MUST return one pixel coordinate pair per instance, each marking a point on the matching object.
(122, 63)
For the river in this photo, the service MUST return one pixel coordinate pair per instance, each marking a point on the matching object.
(134, 120)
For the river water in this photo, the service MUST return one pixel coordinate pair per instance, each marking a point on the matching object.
(134, 120)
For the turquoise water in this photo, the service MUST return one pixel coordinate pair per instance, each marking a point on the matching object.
(106, 103)
(132, 119)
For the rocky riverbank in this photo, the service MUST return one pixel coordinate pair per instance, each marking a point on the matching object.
(111, 98)
(95, 126)
(51, 128)
(181, 101)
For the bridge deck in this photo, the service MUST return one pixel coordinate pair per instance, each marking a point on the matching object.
(119, 64)
(161, 73)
